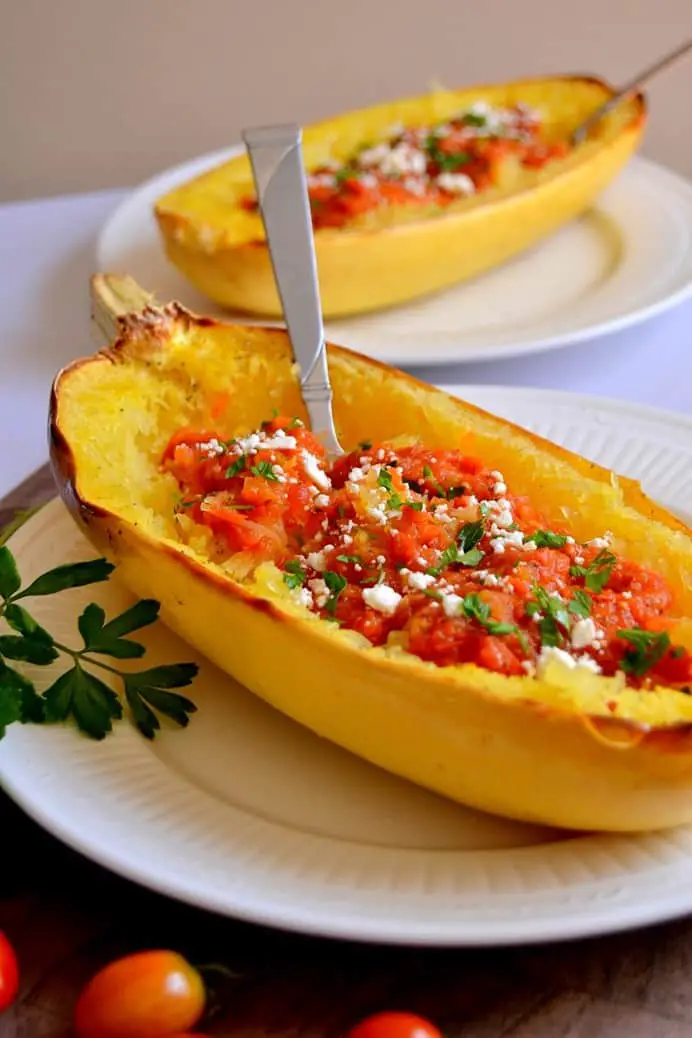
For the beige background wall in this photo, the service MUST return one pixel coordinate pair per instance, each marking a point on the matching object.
(96, 94)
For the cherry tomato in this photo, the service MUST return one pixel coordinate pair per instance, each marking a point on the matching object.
(151, 994)
(9, 973)
(394, 1025)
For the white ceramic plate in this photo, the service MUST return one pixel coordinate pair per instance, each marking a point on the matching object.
(626, 260)
(248, 814)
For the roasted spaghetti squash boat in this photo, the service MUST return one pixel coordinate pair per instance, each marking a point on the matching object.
(410, 196)
(458, 601)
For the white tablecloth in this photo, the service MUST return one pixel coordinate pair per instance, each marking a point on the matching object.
(47, 255)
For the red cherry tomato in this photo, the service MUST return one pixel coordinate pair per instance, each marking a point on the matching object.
(9, 973)
(152, 994)
(394, 1025)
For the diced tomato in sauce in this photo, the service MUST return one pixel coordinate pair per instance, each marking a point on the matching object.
(428, 545)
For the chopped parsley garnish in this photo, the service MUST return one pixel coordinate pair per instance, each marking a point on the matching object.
(465, 552)
(384, 479)
(455, 492)
(336, 584)
(295, 423)
(414, 485)
(295, 576)
(347, 173)
(348, 558)
(470, 535)
(547, 539)
(432, 479)
(365, 445)
(554, 616)
(580, 605)
(451, 163)
(646, 649)
(417, 506)
(474, 608)
(597, 574)
(474, 119)
(431, 593)
(237, 466)
(484, 508)
(265, 469)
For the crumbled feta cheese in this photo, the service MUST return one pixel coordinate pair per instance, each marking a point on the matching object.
(456, 183)
(322, 501)
(496, 474)
(627, 594)
(378, 513)
(583, 633)
(527, 666)
(601, 542)
(305, 597)
(551, 655)
(418, 581)
(500, 488)
(347, 539)
(356, 475)
(314, 472)
(451, 604)
(316, 560)
(382, 597)
(504, 519)
(320, 591)
(579, 560)
(212, 447)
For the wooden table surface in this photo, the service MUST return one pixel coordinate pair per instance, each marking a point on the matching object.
(67, 917)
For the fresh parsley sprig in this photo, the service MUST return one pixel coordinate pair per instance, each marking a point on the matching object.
(78, 694)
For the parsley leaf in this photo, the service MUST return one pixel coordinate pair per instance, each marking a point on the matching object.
(547, 539)
(265, 469)
(107, 638)
(73, 574)
(474, 119)
(554, 616)
(597, 574)
(365, 445)
(9, 575)
(416, 506)
(432, 479)
(475, 608)
(455, 492)
(348, 558)
(295, 576)
(448, 556)
(148, 691)
(336, 584)
(470, 535)
(647, 648)
(81, 695)
(580, 605)
(471, 558)
(11, 696)
(237, 466)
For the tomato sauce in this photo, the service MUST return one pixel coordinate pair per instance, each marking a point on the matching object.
(429, 165)
(429, 546)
